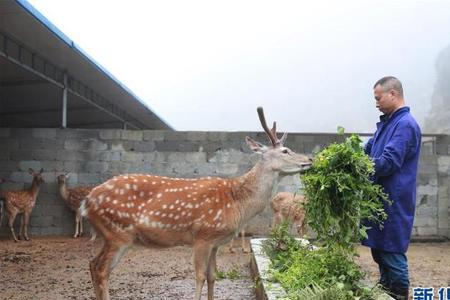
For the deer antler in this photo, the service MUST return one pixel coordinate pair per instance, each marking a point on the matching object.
(271, 133)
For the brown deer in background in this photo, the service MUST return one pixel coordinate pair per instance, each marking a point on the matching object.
(288, 206)
(203, 212)
(22, 201)
(285, 206)
(73, 198)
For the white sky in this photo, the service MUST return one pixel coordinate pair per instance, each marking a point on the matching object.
(207, 65)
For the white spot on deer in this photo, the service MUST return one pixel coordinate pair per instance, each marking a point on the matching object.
(159, 195)
(170, 215)
(163, 215)
(110, 186)
(122, 191)
(183, 213)
(101, 211)
(172, 206)
(145, 180)
(196, 205)
(141, 194)
(228, 205)
(153, 182)
(135, 187)
(115, 201)
(177, 217)
(164, 206)
(189, 205)
(210, 211)
(157, 213)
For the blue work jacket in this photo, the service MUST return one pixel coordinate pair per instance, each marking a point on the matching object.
(395, 149)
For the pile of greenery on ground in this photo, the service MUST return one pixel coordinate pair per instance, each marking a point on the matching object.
(307, 272)
(340, 196)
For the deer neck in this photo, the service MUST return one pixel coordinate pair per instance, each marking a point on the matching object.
(257, 188)
(63, 190)
(34, 189)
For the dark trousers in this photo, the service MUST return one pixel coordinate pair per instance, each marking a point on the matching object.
(393, 271)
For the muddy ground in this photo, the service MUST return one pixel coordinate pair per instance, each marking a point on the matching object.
(57, 268)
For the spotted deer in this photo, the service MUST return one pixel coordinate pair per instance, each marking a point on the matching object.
(288, 206)
(202, 212)
(22, 202)
(73, 197)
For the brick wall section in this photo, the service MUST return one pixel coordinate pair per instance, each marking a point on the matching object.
(93, 156)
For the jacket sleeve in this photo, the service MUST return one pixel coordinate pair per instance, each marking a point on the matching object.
(403, 143)
(368, 146)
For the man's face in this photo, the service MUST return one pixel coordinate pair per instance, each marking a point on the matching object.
(385, 100)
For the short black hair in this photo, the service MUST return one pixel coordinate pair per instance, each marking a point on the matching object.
(390, 82)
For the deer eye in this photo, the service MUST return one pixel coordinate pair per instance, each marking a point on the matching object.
(285, 151)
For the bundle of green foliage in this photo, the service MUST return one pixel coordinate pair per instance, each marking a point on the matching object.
(340, 193)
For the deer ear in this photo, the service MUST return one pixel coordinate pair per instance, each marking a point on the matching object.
(255, 146)
(67, 175)
(283, 138)
(41, 171)
(30, 171)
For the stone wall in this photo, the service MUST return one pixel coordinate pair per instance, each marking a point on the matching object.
(93, 156)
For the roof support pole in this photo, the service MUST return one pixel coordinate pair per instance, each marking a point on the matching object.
(64, 103)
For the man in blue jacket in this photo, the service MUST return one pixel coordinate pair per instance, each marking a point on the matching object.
(394, 149)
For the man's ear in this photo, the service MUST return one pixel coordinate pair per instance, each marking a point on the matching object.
(255, 146)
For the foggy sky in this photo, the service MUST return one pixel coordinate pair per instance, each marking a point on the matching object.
(207, 65)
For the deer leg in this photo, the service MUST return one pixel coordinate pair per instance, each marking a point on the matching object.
(101, 266)
(77, 224)
(20, 235)
(243, 244)
(11, 218)
(211, 273)
(202, 253)
(26, 218)
(81, 224)
(230, 246)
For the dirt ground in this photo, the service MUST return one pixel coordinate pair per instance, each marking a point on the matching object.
(57, 268)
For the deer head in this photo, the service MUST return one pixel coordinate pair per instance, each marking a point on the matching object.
(37, 177)
(278, 157)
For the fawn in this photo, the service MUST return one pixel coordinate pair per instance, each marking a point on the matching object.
(203, 212)
(288, 206)
(285, 206)
(73, 198)
(22, 201)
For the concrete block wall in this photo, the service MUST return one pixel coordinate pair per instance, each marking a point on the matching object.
(93, 156)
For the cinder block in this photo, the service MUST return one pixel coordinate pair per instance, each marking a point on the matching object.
(131, 157)
(5, 133)
(227, 169)
(196, 136)
(88, 178)
(154, 135)
(69, 133)
(215, 136)
(110, 134)
(426, 231)
(175, 136)
(9, 144)
(206, 169)
(144, 146)
(132, 135)
(69, 155)
(47, 155)
(188, 146)
(195, 157)
(95, 167)
(46, 133)
(53, 166)
(108, 156)
(9, 166)
(27, 164)
(166, 145)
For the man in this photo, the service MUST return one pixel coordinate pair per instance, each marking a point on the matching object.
(394, 149)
